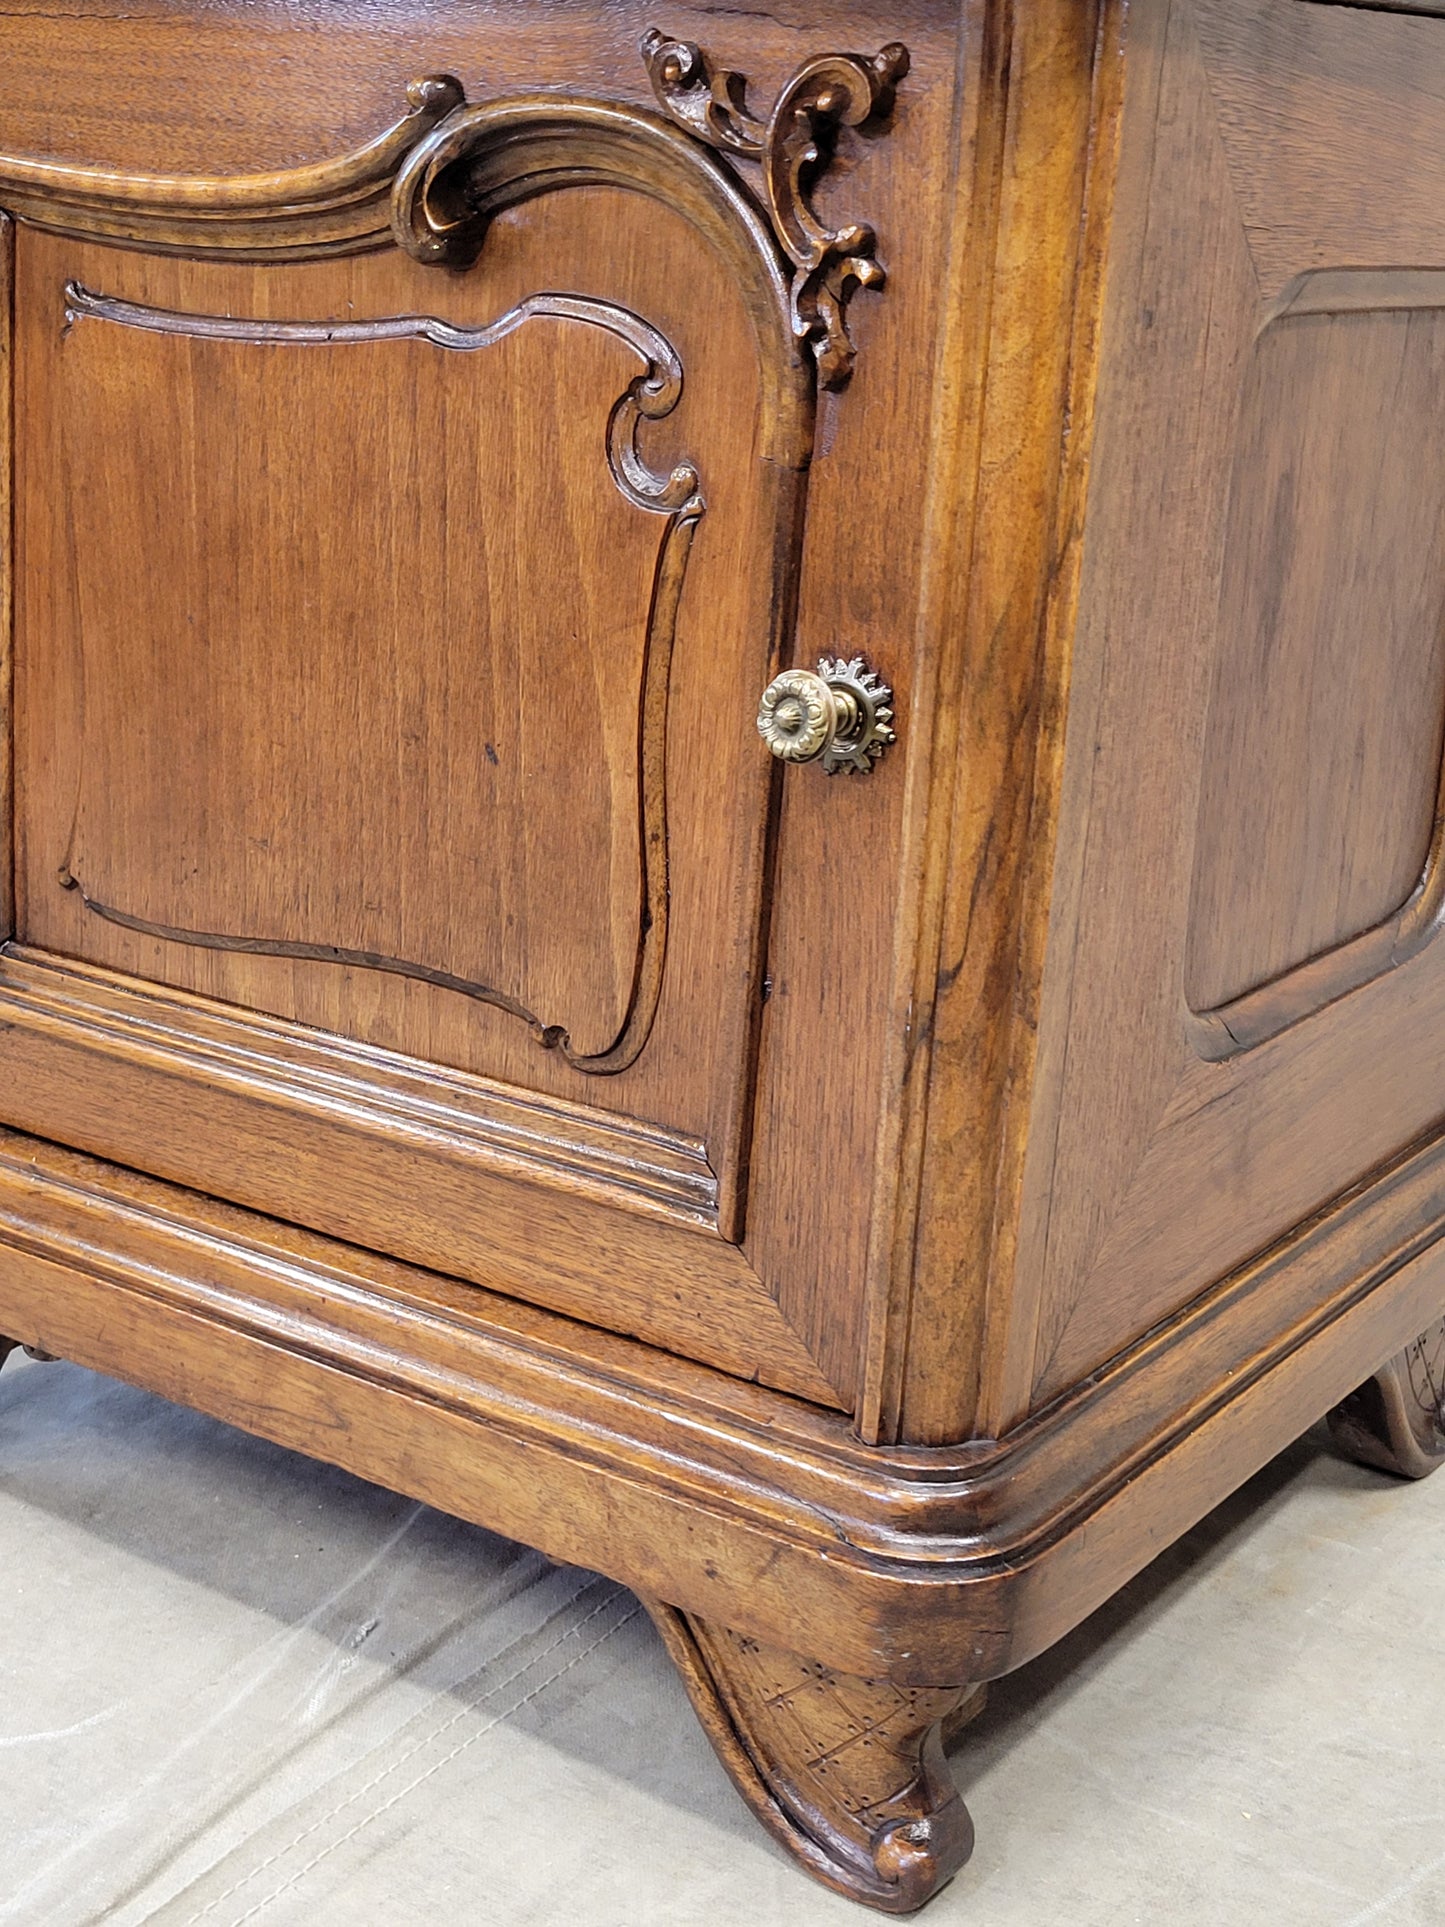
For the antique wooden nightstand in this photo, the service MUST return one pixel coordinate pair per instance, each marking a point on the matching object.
(724, 793)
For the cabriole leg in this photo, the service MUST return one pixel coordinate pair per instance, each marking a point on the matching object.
(1396, 1420)
(849, 1774)
(8, 1345)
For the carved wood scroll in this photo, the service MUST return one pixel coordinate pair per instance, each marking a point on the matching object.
(490, 156)
(794, 145)
(455, 180)
(327, 207)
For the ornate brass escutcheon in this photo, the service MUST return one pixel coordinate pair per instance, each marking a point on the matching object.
(842, 716)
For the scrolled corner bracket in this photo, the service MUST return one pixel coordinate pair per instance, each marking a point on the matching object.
(794, 146)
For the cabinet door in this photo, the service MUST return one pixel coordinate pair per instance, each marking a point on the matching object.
(398, 566)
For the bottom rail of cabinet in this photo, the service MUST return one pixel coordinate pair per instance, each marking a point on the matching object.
(930, 1567)
(752, 1524)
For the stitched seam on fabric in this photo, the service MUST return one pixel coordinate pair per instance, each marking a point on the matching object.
(462, 1713)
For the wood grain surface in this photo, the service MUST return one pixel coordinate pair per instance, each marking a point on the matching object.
(869, 1216)
(1152, 1168)
(277, 471)
(1330, 658)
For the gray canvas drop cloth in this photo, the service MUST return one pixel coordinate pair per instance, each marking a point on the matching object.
(242, 1687)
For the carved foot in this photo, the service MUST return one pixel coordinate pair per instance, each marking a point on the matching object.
(847, 1773)
(1396, 1420)
(8, 1345)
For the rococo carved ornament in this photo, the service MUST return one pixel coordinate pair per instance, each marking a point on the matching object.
(468, 167)
(794, 145)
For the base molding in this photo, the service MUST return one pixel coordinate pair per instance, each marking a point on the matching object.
(741, 1506)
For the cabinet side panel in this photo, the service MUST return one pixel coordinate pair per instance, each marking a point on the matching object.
(1254, 736)
(1322, 757)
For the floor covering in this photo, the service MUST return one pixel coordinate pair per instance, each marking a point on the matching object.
(241, 1687)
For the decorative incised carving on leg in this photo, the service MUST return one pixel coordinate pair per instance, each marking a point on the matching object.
(848, 1774)
(1396, 1420)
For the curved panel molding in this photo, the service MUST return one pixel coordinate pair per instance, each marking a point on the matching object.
(486, 157)
(653, 395)
(327, 207)
(483, 159)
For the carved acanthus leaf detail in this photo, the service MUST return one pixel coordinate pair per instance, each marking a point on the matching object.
(712, 105)
(794, 147)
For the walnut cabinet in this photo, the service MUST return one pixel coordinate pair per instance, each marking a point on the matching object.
(723, 792)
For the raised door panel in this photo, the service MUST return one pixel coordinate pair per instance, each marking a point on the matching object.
(1321, 768)
(1248, 972)
(353, 646)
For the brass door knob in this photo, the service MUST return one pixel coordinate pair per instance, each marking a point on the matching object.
(842, 716)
